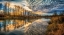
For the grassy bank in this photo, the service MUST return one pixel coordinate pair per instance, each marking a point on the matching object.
(56, 26)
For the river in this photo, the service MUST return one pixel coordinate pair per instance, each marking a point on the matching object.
(26, 26)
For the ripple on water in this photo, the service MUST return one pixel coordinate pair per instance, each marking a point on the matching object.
(37, 27)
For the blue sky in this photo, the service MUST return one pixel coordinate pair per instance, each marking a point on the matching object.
(8, 0)
(0, 5)
(0, 0)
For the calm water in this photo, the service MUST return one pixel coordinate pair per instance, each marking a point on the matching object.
(9, 25)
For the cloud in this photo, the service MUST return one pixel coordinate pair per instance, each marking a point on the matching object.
(27, 8)
(13, 0)
(43, 5)
(21, 3)
(39, 12)
(26, 5)
(47, 5)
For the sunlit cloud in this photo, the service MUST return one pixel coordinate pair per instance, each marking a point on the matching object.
(21, 3)
(44, 5)
(39, 12)
(25, 5)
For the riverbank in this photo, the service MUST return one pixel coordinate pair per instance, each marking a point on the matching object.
(56, 26)
(20, 17)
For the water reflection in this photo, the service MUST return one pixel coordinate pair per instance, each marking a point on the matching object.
(8, 25)
(37, 27)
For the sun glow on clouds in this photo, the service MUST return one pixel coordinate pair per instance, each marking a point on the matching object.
(12, 5)
(23, 4)
(27, 8)
(38, 12)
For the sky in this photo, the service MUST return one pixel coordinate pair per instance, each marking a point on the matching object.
(0, 6)
(21, 3)
(35, 5)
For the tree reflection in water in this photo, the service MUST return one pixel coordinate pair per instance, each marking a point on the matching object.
(37, 27)
(26, 27)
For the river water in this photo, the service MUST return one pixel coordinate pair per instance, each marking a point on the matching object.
(25, 25)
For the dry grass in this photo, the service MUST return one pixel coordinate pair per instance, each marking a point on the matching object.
(56, 26)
